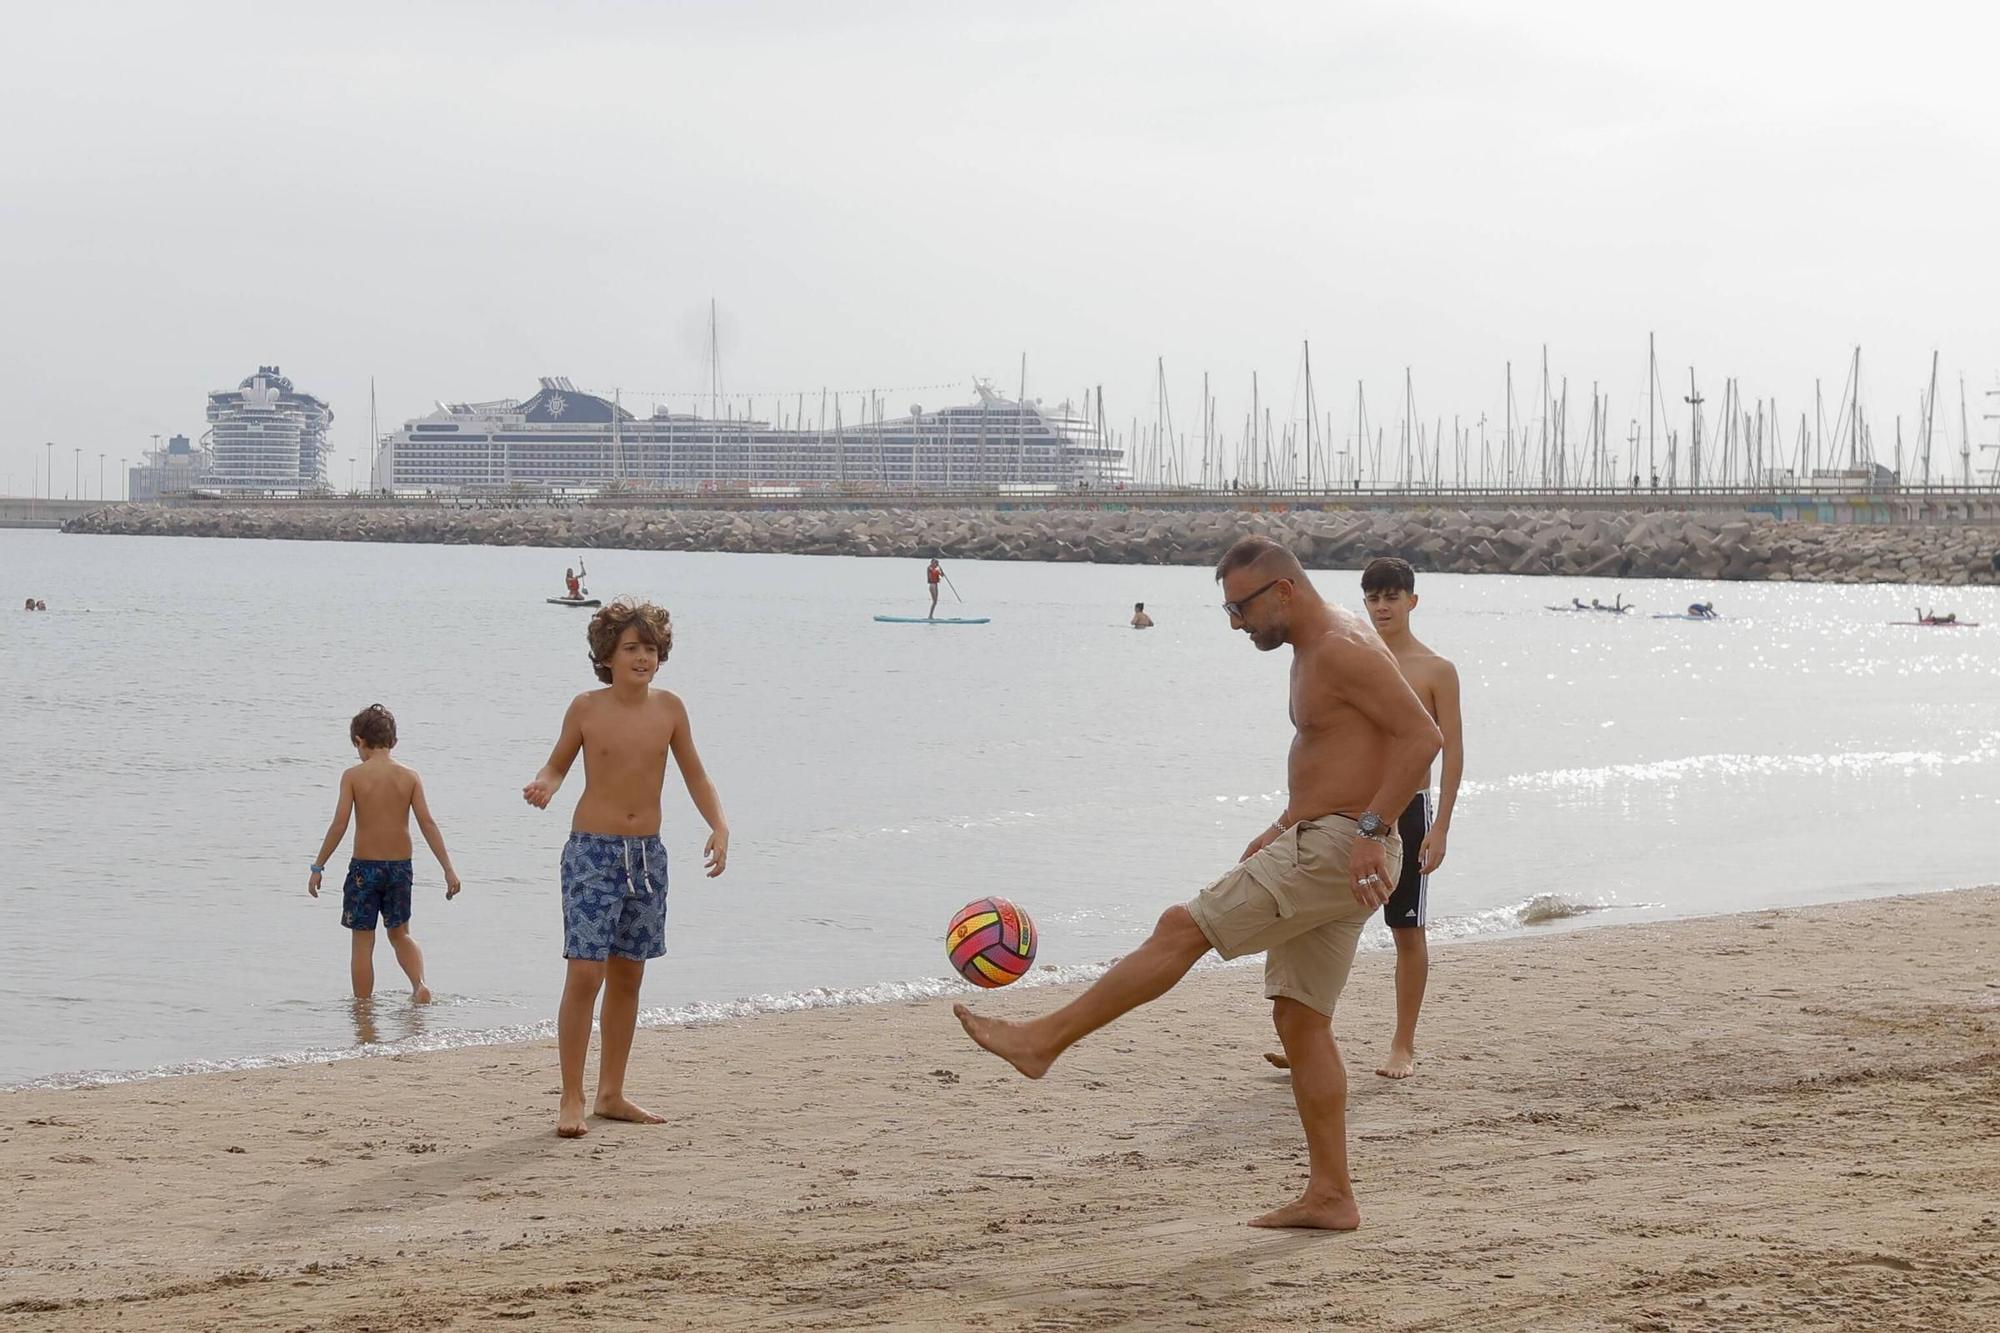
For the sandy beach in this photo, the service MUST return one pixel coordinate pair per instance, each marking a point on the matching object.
(1787, 1119)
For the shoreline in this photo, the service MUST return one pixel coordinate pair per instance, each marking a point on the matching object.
(1784, 1116)
(1539, 916)
(1543, 914)
(1557, 542)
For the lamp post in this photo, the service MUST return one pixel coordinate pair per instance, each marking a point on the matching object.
(100, 479)
(125, 471)
(76, 472)
(49, 469)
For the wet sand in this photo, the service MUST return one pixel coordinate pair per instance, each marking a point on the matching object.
(1784, 1120)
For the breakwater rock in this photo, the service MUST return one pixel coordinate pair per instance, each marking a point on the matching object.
(1658, 544)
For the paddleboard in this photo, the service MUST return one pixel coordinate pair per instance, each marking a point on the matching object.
(1938, 624)
(933, 620)
(574, 601)
(1678, 616)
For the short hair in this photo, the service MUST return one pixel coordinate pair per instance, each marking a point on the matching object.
(375, 727)
(1259, 553)
(1388, 573)
(1138, 606)
(655, 626)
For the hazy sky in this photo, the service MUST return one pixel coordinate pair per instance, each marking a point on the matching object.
(455, 198)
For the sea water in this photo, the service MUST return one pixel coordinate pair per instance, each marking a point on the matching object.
(176, 725)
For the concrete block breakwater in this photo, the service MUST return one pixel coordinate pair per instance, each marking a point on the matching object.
(1659, 544)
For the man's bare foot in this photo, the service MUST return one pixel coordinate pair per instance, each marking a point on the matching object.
(1277, 1061)
(1341, 1214)
(1005, 1040)
(421, 995)
(569, 1118)
(1401, 1063)
(623, 1108)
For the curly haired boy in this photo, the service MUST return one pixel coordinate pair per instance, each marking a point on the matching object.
(614, 867)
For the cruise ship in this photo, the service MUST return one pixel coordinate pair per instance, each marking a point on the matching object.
(563, 438)
(266, 435)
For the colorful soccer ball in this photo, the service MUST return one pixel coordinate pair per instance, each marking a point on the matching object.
(991, 942)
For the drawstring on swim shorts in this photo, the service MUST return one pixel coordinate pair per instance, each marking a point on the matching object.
(645, 869)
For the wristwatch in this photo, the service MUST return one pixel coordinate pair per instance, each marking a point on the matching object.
(1372, 825)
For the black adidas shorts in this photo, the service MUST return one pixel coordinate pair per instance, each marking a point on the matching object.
(1409, 905)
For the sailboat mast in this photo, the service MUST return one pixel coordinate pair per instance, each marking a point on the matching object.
(1964, 437)
(1310, 413)
(1652, 413)
(1930, 415)
(1854, 416)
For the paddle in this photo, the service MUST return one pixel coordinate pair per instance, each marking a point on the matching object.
(949, 584)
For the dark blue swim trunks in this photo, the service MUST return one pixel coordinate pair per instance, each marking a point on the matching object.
(614, 897)
(376, 888)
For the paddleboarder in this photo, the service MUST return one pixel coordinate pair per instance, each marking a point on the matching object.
(573, 579)
(933, 576)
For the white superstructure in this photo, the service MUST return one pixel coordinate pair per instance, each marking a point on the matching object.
(266, 435)
(563, 437)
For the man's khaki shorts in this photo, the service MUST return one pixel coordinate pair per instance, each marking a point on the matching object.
(1292, 902)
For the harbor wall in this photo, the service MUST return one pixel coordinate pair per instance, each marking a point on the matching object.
(34, 512)
(1560, 542)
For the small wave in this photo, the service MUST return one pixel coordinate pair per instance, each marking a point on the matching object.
(1545, 907)
(1540, 909)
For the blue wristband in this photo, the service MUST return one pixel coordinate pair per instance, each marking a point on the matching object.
(319, 870)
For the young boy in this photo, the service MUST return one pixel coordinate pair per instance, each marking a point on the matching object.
(614, 867)
(381, 794)
(1389, 585)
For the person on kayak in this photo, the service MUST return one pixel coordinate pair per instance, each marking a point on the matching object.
(931, 576)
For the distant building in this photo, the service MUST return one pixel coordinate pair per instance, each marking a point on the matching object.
(564, 438)
(1868, 476)
(178, 468)
(266, 435)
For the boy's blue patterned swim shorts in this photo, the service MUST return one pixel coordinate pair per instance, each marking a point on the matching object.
(375, 888)
(614, 897)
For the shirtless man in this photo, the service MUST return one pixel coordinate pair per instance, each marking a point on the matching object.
(1305, 886)
(1140, 620)
(614, 867)
(1389, 586)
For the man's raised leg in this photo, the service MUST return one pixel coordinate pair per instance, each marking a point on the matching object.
(579, 998)
(361, 963)
(1319, 1087)
(615, 1027)
(1413, 969)
(1147, 973)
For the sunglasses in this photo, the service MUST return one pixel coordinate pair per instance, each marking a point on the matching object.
(1235, 609)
